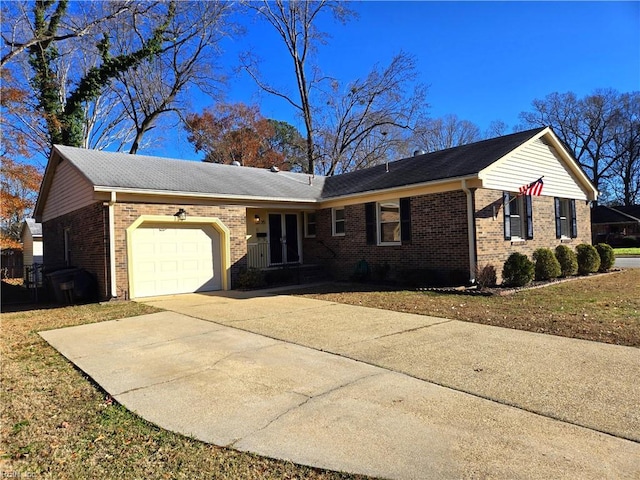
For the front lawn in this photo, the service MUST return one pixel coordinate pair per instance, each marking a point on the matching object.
(627, 251)
(603, 308)
(57, 424)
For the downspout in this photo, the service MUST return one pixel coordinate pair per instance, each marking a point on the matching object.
(112, 245)
(471, 232)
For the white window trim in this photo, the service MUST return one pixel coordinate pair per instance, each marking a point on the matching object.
(521, 216)
(333, 222)
(379, 223)
(306, 224)
(566, 220)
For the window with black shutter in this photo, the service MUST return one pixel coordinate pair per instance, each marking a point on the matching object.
(405, 220)
(566, 221)
(370, 222)
(518, 216)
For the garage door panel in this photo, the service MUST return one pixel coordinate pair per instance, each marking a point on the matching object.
(146, 267)
(169, 267)
(175, 260)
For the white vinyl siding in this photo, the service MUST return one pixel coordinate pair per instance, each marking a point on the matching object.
(529, 163)
(69, 191)
(27, 249)
(31, 249)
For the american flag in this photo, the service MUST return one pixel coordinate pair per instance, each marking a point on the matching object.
(533, 188)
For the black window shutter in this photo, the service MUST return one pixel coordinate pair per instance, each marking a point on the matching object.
(370, 222)
(507, 215)
(405, 220)
(528, 203)
(558, 221)
(574, 220)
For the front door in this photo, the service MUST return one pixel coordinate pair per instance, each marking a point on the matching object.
(283, 238)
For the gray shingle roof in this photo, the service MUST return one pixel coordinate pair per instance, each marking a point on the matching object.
(35, 227)
(456, 162)
(139, 172)
(603, 214)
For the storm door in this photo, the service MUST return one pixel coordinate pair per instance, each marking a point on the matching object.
(283, 238)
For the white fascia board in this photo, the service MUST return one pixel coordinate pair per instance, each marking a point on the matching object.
(401, 189)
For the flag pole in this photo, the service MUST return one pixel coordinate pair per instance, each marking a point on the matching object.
(522, 194)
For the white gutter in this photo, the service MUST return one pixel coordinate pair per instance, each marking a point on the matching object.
(399, 190)
(112, 244)
(209, 196)
(471, 232)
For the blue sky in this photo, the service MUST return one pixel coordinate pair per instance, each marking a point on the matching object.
(483, 61)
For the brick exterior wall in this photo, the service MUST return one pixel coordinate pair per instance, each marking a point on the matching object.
(234, 218)
(493, 249)
(89, 238)
(438, 243)
(88, 242)
(438, 246)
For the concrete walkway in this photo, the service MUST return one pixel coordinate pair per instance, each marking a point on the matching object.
(370, 391)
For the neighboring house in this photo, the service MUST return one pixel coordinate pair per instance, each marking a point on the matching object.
(31, 236)
(615, 224)
(150, 226)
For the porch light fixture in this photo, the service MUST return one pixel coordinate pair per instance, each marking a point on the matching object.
(256, 219)
(180, 214)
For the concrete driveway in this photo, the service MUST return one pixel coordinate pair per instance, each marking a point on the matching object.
(370, 391)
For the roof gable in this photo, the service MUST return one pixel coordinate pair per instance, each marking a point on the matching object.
(543, 155)
(31, 226)
(140, 173)
(457, 162)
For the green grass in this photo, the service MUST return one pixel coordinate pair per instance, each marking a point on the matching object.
(603, 308)
(627, 251)
(56, 423)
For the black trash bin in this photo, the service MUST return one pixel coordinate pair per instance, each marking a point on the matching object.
(72, 285)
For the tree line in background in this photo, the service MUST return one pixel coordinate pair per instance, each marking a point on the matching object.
(120, 75)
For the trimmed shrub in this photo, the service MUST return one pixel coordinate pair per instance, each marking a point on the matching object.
(251, 278)
(588, 259)
(568, 261)
(607, 257)
(518, 270)
(486, 276)
(547, 265)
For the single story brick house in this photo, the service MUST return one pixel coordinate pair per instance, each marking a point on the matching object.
(152, 226)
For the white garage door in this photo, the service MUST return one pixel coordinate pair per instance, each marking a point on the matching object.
(168, 260)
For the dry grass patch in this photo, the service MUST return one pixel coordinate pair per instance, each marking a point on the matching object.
(57, 424)
(603, 308)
